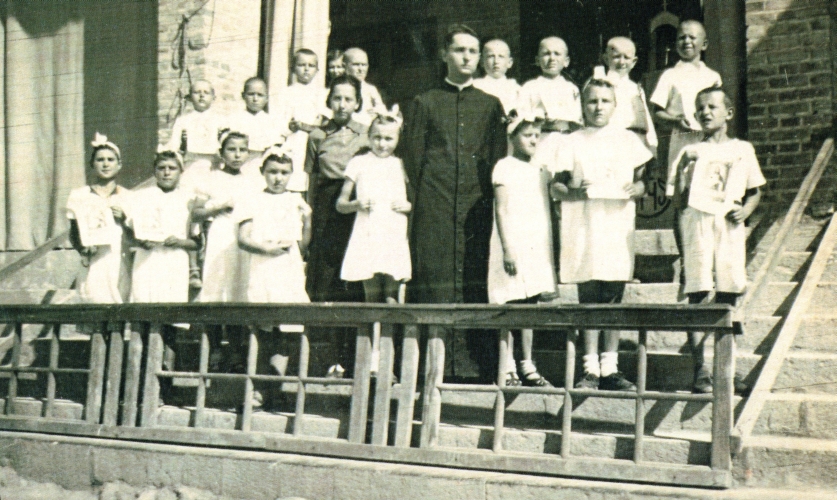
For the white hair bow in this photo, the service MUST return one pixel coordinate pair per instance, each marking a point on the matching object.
(162, 148)
(101, 141)
(516, 118)
(394, 114)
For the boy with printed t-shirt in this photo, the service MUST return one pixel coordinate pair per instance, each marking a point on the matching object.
(716, 185)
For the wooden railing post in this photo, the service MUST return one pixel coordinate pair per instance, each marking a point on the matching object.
(203, 368)
(360, 386)
(500, 399)
(299, 410)
(16, 345)
(113, 381)
(383, 386)
(96, 376)
(642, 372)
(133, 368)
(569, 381)
(409, 377)
(722, 414)
(53, 364)
(433, 378)
(153, 365)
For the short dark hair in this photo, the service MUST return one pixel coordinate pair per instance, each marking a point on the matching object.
(711, 90)
(253, 79)
(168, 155)
(595, 82)
(100, 147)
(304, 52)
(333, 54)
(458, 29)
(346, 80)
(278, 159)
(228, 134)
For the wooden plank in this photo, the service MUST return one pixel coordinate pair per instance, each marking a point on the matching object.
(33, 255)
(407, 391)
(360, 387)
(96, 377)
(642, 371)
(151, 388)
(794, 214)
(569, 382)
(552, 465)
(500, 398)
(675, 317)
(787, 334)
(113, 382)
(133, 376)
(16, 344)
(203, 368)
(54, 347)
(304, 355)
(433, 376)
(383, 387)
(722, 408)
(252, 357)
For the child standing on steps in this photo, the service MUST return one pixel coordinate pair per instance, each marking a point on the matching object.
(520, 264)
(274, 227)
(716, 186)
(597, 225)
(96, 220)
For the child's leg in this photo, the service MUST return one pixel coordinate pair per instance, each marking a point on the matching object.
(391, 288)
(588, 293)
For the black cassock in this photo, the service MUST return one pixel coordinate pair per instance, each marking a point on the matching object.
(452, 138)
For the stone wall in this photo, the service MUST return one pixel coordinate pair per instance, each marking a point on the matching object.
(790, 87)
(220, 43)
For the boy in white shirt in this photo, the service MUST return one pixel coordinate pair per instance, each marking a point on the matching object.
(357, 65)
(716, 187)
(550, 94)
(197, 130)
(496, 62)
(262, 130)
(631, 110)
(301, 107)
(673, 99)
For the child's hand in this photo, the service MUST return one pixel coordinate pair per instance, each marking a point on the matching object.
(364, 205)
(683, 123)
(738, 215)
(561, 192)
(173, 242)
(293, 125)
(148, 245)
(402, 206)
(89, 252)
(635, 189)
(118, 213)
(509, 264)
(276, 249)
(690, 155)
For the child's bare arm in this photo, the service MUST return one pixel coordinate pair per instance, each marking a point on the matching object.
(248, 244)
(666, 118)
(751, 200)
(560, 189)
(185, 244)
(306, 230)
(75, 237)
(637, 188)
(501, 203)
(201, 212)
(345, 205)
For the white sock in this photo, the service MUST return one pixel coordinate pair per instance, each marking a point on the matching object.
(527, 366)
(591, 364)
(608, 361)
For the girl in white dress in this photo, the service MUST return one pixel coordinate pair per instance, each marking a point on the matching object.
(274, 226)
(96, 219)
(224, 271)
(520, 266)
(378, 253)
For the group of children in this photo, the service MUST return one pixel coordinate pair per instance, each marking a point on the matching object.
(586, 149)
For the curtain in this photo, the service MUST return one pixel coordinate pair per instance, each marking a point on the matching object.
(41, 102)
(293, 25)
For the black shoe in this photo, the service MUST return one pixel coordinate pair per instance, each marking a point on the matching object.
(703, 381)
(616, 382)
(588, 381)
(740, 388)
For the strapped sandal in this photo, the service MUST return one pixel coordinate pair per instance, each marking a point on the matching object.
(512, 380)
(533, 378)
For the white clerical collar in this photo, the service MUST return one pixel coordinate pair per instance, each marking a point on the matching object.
(460, 86)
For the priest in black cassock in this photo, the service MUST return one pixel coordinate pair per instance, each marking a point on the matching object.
(452, 138)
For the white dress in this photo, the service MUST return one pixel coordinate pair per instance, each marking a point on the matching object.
(105, 280)
(529, 232)
(225, 265)
(379, 237)
(275, 218)
(162, 273)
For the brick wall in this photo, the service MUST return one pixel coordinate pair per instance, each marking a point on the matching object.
(790, 87)
(222, 46)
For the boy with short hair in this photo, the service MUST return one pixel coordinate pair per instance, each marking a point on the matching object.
(496, 62)
(631, 110)
(673, 99)
(716, 185)
(357, 65)
(550, 94)
(199, 128)
(262, 129)
(301, 107)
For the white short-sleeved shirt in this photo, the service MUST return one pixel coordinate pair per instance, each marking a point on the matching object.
(303, 103)
(556, 99)
(505, 89)
(201, 132)
(679, 85)
(372, 101)
(597, 233)
(262, 129)
(720, 177)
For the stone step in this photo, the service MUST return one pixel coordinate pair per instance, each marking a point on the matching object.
(534, 411)
(808, 372)
(282, 423)
(34, 407)
(818, 333)
(787, 462)
(598, 445)
(799, 415)
(792, 267)
(775, 300)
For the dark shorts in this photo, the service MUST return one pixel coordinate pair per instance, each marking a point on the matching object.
(601, 292)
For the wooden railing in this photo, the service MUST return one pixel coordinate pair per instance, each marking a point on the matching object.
(126, 366)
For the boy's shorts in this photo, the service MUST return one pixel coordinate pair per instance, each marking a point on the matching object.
(601, 292)
(714, 252)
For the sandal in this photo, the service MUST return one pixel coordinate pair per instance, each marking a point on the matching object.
(512, 380)
(531, 377)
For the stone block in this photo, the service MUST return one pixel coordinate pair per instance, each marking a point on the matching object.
(238, 479)
(307, 480)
